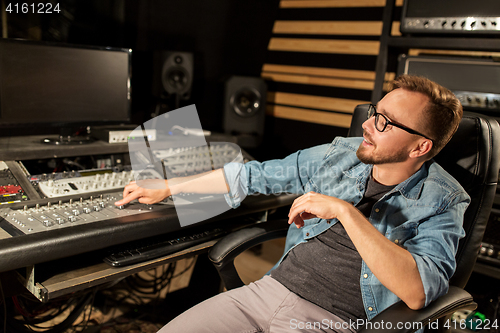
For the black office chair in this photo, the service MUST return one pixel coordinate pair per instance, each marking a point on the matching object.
(472, 157)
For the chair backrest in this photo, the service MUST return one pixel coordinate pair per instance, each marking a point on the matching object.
(472, 158)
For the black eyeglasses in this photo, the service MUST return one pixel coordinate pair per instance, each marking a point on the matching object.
(381, 122)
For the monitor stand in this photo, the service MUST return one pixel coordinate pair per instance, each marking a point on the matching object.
(67, 138)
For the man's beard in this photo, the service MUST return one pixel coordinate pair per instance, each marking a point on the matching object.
(393, 156)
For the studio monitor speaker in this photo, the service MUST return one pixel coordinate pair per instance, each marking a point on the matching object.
(245, 109)
(173, 74)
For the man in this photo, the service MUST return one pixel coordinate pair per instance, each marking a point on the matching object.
(379, 221)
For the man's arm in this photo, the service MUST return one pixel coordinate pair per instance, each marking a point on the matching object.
(151, 191)
(393, 265)
(274, 176)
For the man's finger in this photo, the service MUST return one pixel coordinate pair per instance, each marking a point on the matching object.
(129, 197)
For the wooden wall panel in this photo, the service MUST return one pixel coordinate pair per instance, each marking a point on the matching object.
(367, 28)
(327, 92)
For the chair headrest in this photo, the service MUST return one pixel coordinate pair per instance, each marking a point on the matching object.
(465, 157)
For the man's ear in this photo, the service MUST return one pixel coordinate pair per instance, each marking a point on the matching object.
(423, 147)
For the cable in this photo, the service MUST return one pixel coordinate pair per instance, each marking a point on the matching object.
(31, 321)
(4, 309)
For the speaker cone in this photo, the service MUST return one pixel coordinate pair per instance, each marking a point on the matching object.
(176, 79)
(246, 102)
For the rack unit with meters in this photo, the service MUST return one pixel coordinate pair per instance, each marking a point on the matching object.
(391, 47)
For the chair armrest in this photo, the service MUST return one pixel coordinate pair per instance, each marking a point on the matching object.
(456, 299)
(223, 253)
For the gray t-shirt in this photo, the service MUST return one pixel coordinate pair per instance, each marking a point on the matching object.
(325, 270)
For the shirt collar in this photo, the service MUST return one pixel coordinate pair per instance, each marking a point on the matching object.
(409, 188)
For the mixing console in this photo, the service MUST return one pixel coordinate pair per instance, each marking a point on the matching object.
(186, 161)
(86, 196)
(49, 216)
(81, 184)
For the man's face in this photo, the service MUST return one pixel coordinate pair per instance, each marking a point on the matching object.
(394, 144)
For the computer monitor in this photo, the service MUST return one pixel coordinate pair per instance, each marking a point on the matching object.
(64, 86)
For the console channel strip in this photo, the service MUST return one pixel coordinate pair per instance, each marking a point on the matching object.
(30, 219)
(88, 181)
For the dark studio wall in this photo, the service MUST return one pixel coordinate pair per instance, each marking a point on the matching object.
(317, 57)
(226, 37)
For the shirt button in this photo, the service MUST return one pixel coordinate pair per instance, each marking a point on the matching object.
(328, 222)
(307, 234)
(377, 210)
(370, 308)
(396, 241)
(365, 276)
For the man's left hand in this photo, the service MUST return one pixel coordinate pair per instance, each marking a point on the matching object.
(312, 204)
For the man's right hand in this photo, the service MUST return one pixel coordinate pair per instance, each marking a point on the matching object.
(151, 191)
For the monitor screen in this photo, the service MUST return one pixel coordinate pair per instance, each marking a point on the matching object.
(47, 84)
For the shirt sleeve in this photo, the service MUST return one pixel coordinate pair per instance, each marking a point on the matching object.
(435, 246)
(286, 175)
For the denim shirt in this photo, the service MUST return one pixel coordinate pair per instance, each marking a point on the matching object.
(423, 214)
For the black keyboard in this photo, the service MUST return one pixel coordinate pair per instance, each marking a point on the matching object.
(145, 250)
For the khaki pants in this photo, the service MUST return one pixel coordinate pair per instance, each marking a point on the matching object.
(263, 306)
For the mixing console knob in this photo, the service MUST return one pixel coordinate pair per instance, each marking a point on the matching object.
(102, 204)
(50, 183)
(97, 208)
(97, 177)
(86, 187)
(103, 184)
(491, 252)
(59, 220)
(106, 176)
(55, 191)
(76, 212)
(94, 186)
(46, 223)
(86, 210)
(72, 218)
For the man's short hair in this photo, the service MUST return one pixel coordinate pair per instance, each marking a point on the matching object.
(443, 113)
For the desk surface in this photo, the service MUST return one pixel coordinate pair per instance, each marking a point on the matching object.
(31, 147)
(25, 250)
